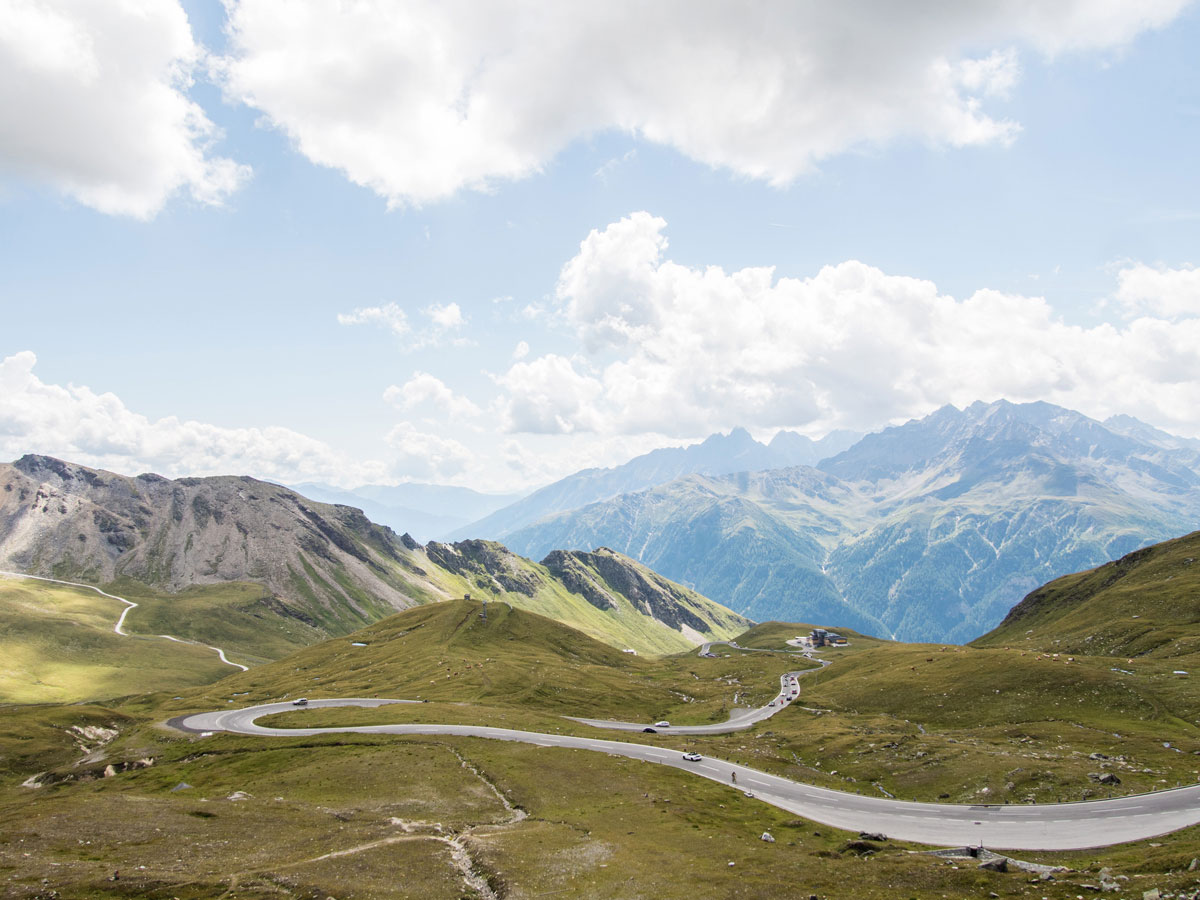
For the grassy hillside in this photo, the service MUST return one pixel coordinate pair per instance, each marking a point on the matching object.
(57, 644)
(606, 595)
(340, 815)
(512, 662)
(1145, 604)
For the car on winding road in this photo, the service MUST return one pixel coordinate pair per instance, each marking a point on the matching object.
(692, 757)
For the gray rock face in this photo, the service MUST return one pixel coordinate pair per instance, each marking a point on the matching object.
(327, 564)
(603, 575)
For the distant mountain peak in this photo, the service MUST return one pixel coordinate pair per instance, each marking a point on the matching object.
(717, 454)
(737, 437)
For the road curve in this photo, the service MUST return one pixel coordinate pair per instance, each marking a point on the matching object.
(119, 628)
(739, 719)
(1058, 826)
(706, 651)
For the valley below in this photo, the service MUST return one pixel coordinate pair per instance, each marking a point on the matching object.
(105, 799)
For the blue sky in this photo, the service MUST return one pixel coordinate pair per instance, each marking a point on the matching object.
(308, 247)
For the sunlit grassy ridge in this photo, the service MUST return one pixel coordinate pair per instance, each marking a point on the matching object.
(1145, 604)
(513, 660)
(57, 644)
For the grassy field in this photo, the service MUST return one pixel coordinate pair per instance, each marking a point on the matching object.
(237, 616)
(364, 817)
(57, 644)
(377, 816)
(513, 662)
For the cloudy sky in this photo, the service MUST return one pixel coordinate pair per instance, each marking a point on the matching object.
(492, 243)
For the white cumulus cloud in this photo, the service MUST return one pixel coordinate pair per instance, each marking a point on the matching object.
(427, 456)
(1159, 290)
(680, 350)
(445, 321)
(419, 99)
(93, 101)
(425, 390)
(389, 316)
(548, 396)
(445, 317)
(79, 425)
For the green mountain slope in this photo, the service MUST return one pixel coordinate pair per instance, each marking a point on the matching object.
(603, 594)
(1146, 603)
(57, 645)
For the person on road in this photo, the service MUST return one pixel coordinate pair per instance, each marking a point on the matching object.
(733, 777)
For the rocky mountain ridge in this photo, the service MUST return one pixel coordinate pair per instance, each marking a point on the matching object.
(326, 565)
(930, 530)
(718, 454)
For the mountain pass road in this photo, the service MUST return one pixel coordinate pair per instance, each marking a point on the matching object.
(739, 719)
(1062, 826)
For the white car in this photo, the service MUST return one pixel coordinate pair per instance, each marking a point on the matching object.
(663, 724)
(692, 757)
(301, 701)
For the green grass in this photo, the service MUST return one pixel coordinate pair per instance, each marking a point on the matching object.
(57, 644)
(242, 618)
(570, 824)
(39, 737)
(918, 721)
(622, 627)
(1144, 604)
(514, 662)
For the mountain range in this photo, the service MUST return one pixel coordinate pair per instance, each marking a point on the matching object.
(931, 530)
(426, 511)
(718, 454)
(326, 566)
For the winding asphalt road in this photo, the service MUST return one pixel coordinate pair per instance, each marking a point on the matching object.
(1059, 826)
(739, 719)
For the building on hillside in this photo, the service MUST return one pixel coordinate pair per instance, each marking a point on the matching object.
(819, 637)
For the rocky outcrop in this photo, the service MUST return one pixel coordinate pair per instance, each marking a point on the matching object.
(323, 564)
(489, 565)
(603, 575)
